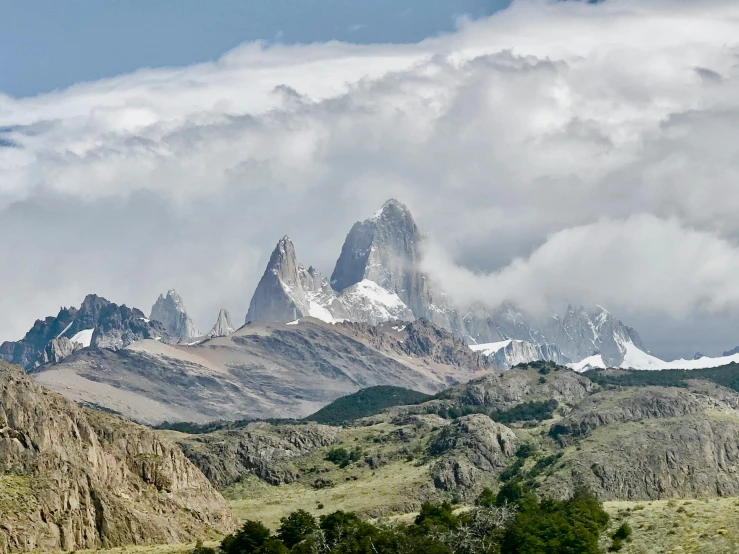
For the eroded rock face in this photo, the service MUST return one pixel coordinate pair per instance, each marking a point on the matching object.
(470, 447)
(79, 479)
(57, 350)
(258, 449)
(650, 443)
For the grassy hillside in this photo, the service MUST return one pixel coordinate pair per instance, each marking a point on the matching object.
(700, 526)
(366, 402)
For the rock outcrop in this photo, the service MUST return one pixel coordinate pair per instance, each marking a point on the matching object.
(170, 311)
(260, 449)
(57, 350)
(505, 390)
(102, 323)
(469, 448)
(614, 407)
(640, 443)
(223, 326)
(683, 457)
(72, 478)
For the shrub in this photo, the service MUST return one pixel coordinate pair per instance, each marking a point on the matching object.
(554, 527)
(437, 515)
(342, 458)
(622, 533)
(486, 498)
(200, 549)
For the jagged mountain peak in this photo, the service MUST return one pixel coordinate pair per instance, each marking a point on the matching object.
(392, 209)
(171, 312)
(223, 326)
(98, 322)
(383, 249)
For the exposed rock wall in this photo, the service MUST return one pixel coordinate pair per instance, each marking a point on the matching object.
(258, 449)
(77, 479)
(470, 447)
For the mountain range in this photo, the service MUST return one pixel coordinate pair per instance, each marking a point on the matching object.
(162, 367)
(377, 277)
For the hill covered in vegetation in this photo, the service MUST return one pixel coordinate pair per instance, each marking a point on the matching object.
(366, 402)
(726, 375)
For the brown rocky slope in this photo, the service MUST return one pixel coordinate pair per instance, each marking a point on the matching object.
(72, 478)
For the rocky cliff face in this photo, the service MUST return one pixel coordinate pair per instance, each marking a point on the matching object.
(470, 448)
(170, 311)
(386, 249)
(508, 353)
(223, 326)
(259, 448)
(287, 291)
(98, 323)
(78, 479)
(650, 443)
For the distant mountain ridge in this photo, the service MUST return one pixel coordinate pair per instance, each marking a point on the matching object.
(97, 322)
(263, 370)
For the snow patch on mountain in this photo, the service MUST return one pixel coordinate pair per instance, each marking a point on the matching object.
(490, 348)
(84, 337)
(591, 362)
(635, 358)
(368, 302)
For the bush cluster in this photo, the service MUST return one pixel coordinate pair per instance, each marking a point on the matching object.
(513, 522)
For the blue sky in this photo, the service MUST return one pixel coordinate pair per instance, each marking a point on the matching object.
(51, 44)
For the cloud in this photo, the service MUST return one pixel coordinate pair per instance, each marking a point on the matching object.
(551, 131)
(641, 263)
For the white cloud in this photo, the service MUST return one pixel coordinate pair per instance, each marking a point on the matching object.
(641, 263)
(548, 121)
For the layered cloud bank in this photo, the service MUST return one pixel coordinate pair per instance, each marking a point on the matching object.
(555, 152)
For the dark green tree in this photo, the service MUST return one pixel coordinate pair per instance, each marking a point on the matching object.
(486, 498)
(296, 527)
(556, 527)
(509, 493)
(247, 540)
(437, 515)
